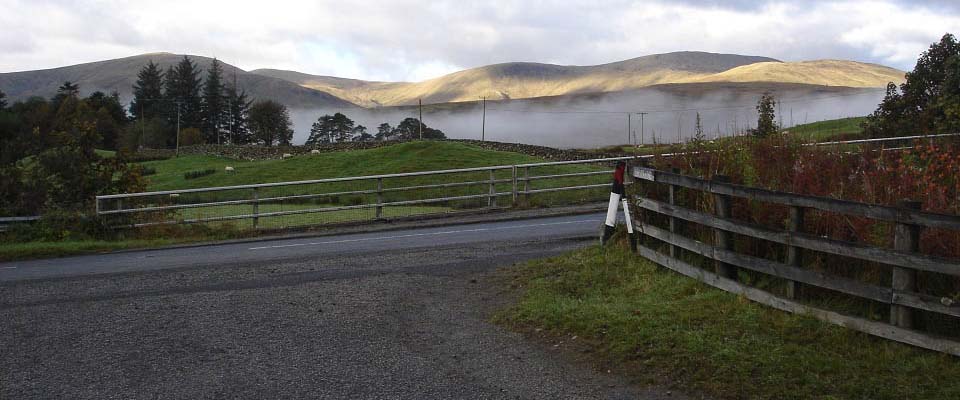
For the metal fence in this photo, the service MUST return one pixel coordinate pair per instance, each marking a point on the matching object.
(360, 198)
(378, 197)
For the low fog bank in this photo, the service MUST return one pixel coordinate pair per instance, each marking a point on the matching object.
(589, 121)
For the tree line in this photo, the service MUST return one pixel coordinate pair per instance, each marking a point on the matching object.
(48, 157)
(338, 128)
(202, 110)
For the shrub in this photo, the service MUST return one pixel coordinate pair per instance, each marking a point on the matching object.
(199, 173)
(147, 171)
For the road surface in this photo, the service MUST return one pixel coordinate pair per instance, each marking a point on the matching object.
(399, 314)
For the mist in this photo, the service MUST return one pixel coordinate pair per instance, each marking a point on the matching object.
(597, 120)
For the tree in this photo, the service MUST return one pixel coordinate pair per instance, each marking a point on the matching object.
(360, 134)
(110, 117)
(270, 123)
(766, 121)
(950, 97)
(238, 108)
(922, 104)
(214, 107)
(321, 131)
(384, 132)
(147, 92)
(183, 89)
(341, 128)
(409, 129)
(329, 128)
(698, 135)
(3, 101)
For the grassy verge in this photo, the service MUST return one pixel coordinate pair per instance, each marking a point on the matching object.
(666, 328)
(32, 250)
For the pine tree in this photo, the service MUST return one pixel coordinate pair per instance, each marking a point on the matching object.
(183, 88)
(342, 127)
(360, 134)
(147, 92)
(321, 131)
(238, 116)
(384, 132)
(214, 106)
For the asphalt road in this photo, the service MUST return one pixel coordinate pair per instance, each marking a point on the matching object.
(400, 314)
(276, 250)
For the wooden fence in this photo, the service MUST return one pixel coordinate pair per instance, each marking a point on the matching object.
(902, 295)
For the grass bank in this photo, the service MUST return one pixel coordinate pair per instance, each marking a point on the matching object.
(661, 327)
(399, 158)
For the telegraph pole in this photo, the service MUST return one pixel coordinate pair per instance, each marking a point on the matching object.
(420, 103)
(178, 128)
(483, 124)
(641, 125)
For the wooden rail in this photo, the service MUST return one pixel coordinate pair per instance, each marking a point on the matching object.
(902, 295)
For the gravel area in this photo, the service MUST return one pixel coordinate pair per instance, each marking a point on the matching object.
(409, 324)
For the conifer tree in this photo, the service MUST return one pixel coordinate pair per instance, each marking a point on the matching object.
(147, 92)
(183, 88)
(237, 123)
(214, 107)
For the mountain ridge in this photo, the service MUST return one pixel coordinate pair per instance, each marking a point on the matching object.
(120, 74)
(502, 81)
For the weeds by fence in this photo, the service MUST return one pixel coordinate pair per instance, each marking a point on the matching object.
(784, 267)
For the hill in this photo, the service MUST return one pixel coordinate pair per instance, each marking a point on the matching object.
(120, 74)
(820, 72)
(520, 80)
(530, 80)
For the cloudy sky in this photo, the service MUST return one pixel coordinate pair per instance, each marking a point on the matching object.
(417, 39)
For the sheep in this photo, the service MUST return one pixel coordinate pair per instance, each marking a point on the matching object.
(174, 195)
(314, 151)
(286, 156)
(228, 169)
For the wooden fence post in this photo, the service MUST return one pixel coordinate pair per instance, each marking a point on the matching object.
(379, 198)
(674, 221)
(906, 239)
(514, 189)
(794, 253)
(526, 185)
(492, 199)
(722, 237)
(256, 207)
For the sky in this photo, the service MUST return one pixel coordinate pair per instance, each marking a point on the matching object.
(416, 40)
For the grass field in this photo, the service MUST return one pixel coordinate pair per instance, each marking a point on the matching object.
(844, 128)
(821, 131)
(306, 219)
(403, 157)
(399, 158)
(660, 327)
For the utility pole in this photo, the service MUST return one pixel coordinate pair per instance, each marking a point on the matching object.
(178, 128)
(678, 127)
(629, 140)
(143, 128)
(483, 125)
(641, 126)
(420, 103)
